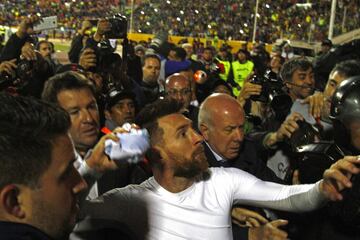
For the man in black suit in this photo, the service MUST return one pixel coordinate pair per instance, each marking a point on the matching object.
(221, 121)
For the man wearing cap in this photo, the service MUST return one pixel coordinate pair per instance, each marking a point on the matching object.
(119, 109)
(140, 50)
(223, 59)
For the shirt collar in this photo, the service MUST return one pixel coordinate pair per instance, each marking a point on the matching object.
(217, 156)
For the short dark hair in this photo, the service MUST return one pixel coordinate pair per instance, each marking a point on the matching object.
(348, 68)
(289, 67)
(28, 127)
(148, 118)
(65, 81)
(208, 49)
(149, 115)
(37, 46)
(180, 53)
(147, 56)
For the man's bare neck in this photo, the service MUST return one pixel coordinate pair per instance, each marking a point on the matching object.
(173, 183)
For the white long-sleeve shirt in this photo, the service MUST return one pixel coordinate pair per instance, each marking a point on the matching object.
(201, 211)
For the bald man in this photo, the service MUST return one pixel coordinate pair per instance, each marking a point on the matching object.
(221, 121)
(178, 87)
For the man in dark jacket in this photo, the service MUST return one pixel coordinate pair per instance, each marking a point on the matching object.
(39, 184)
(221, 122)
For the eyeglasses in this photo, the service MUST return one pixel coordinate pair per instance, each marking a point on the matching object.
(182, 92)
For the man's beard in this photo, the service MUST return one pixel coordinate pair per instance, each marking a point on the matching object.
(48, 221)
(193, 168)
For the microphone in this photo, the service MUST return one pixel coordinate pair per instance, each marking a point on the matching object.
(300, 86)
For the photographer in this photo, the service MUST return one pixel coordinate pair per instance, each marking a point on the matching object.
(46, 49)
(32, 69)
(99, 54)
(340, 220)
(12, 48)
(79, 41)
(318, 104)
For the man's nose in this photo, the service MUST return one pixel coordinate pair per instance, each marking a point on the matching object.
(196, 137)
(79, 183)
(239, 134)
(87, 116)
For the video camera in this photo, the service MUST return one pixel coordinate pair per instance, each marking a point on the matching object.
(272, 92)
(118, 24)
(25, 71)
(104, 50)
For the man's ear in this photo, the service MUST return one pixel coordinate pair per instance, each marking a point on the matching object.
(107, 115)
(10, 201)
(157, 152)
(204, 130)
(155, 156)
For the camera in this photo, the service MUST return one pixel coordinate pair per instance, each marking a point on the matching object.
(28, 72)
(305, 134)
(118, 27)
(272, 92)
(118, 24)
(18, 79)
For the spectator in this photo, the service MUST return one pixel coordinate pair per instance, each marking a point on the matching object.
(149, 85)
(178, 87)
(120, 108)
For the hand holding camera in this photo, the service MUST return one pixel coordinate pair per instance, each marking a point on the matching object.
(103, 26)
(26, 26)
(28, 52)
(8, 67)
(88, 58)
(249, 89)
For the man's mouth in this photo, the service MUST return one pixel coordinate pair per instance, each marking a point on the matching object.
(90, 131)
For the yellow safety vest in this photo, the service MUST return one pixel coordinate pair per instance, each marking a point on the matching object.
(241, 72)
(227, 66)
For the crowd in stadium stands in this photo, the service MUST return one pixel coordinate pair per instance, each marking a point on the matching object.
(228, 19)
(69, 13)
(176, 140)
(234, 19)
